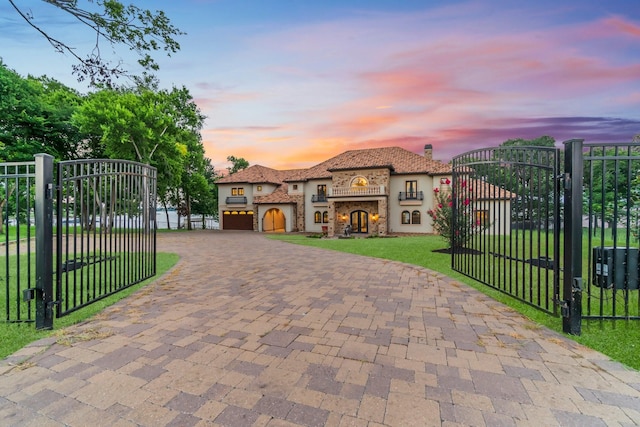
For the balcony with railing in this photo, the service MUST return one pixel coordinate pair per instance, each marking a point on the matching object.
(237, 200)
(411, 197)
(357, 191)
(319, 198)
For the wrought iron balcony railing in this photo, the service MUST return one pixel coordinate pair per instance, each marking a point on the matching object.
(237, 200)
(411, 195)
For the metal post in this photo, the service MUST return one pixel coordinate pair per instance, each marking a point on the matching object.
(572, 279)
(44, 241)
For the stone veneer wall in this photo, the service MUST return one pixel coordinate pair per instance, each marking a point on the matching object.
(378, 206)
(380, 176)
(374, 176)
(299, 211)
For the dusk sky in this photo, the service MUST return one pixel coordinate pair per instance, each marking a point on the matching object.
(288, 84)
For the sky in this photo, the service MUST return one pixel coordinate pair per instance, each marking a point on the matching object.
(287, 84)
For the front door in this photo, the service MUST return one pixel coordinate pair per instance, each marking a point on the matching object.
(359, 222)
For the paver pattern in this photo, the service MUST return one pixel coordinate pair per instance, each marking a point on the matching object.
(246, 331)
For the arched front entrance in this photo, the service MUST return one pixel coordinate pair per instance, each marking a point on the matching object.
(359, 222)
(273, 221)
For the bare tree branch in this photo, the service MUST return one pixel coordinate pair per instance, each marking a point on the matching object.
(141, 31)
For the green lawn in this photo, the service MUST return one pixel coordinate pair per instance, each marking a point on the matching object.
(616, 339)
(14, 336)
(22, 230)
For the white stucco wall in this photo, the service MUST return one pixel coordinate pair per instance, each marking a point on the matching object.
(311, 189)
(397, 185)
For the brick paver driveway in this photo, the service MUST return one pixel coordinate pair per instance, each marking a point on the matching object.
(246, 331)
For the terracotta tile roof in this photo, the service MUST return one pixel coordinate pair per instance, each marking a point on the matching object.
(258, 174)
(280, 195)
(399, 160)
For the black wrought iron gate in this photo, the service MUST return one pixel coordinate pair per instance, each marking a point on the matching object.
(535, 222)
(74, 233)
(508, 198)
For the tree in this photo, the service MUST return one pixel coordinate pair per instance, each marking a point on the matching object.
(20, 116)
(238, 163)
(527, 172)
(159, 128)
(195, 190)
(114, 23)
(35, 117)
(611, 182)
(59, 104)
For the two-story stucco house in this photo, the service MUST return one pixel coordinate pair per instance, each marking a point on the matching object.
(375, 191)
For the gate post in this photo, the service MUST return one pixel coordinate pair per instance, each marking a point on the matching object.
(44, 241)
(572, 278)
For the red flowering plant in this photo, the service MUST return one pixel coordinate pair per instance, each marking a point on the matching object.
(456, 231)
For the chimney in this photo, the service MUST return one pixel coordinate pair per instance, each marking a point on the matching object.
(428, 152)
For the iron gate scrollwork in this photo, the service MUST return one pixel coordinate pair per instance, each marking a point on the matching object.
(506, 221)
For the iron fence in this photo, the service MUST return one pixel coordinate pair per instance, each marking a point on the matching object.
(105, 220)
(611, 230)
(74, 238)
(564, 240)
(506, 212)
(17, 231)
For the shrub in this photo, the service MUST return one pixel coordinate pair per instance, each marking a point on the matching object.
(456, 233)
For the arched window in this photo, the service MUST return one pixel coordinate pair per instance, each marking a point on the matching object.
(317, 218)
(325, 217)
(359, 181)
(415, 217)
(406, 217)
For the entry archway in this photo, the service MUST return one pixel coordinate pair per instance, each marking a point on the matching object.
(274, 221)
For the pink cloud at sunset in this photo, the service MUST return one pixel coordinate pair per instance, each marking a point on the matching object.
(288, 85)
(458, 82)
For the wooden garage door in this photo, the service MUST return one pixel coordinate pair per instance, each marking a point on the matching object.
(237, 220)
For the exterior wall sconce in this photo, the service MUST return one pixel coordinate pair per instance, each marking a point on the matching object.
(344, 217)
(374, 217)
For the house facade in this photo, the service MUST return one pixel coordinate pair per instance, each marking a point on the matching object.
(377, 191)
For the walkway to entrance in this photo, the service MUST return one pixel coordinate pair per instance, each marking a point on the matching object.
(236, 337)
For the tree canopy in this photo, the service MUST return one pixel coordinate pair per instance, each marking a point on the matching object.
(611, 182)
(237, 164)
(512, 169)
(160, 128)
(138, 30)
(35, 117)
(148, 125)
